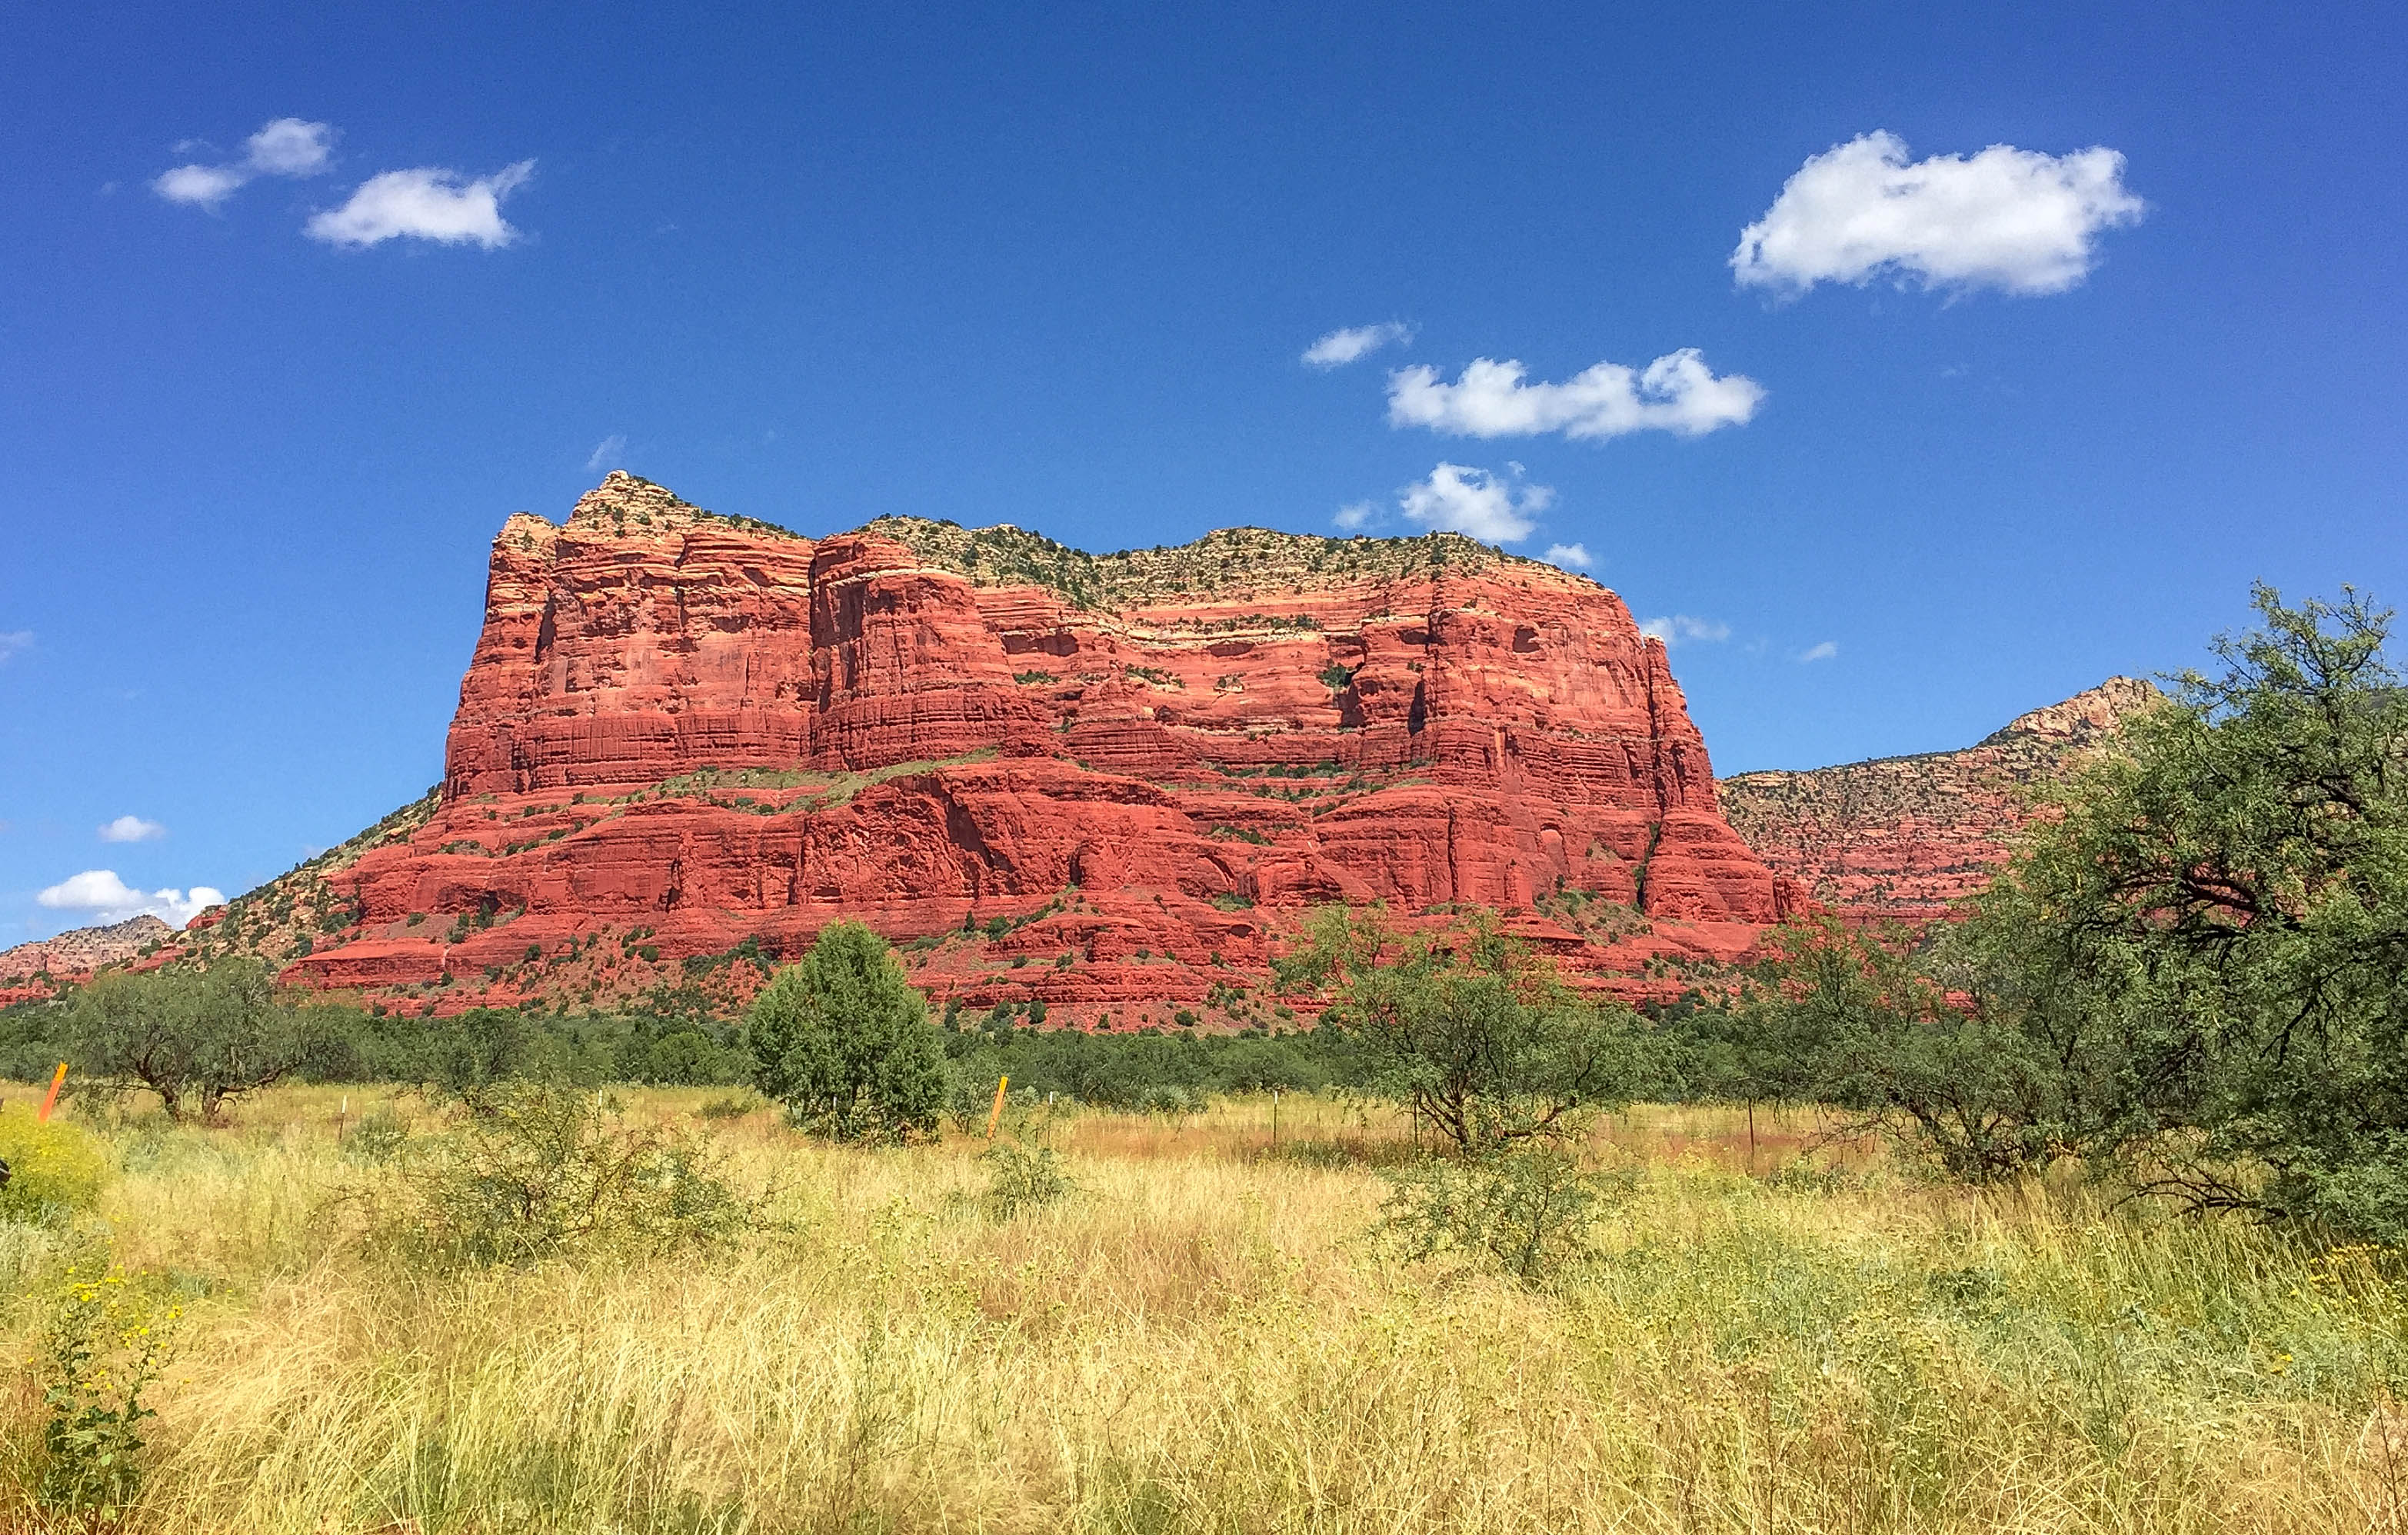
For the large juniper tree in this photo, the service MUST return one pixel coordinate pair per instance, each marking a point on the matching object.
(843, 1040)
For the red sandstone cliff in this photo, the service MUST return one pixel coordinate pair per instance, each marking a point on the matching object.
(1094, 780)
(1909, 836)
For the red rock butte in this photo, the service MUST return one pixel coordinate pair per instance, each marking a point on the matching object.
(1108, 782)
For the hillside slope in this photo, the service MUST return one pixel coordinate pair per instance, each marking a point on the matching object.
(1909, 836)
(48, 966)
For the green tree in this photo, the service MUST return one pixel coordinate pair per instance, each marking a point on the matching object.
(843, 1040)
(1848, 1017)
(1470, 1030)
(2195, 975)
(2213, 940)
(194, 1037)
(470, 1053)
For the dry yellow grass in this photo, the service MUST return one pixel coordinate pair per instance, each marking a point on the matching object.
(1203, 1340)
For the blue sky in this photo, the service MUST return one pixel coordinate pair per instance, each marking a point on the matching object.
(1061, 267)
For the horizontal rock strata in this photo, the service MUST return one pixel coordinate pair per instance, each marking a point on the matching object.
(1107, 783)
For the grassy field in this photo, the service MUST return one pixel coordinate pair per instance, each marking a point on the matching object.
(1203, 1337)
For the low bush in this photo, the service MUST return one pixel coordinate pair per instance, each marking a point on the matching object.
(542, 1172)
(1022, 1179)
(1527, 1212)
(54, 1171)
(378, 1137)
(104, 1339)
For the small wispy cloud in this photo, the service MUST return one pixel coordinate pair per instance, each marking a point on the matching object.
(290, 146)
(15, 643)
(100, 896)
(426, 204)
(202, 186)
(1676, 393)
(2014, 220)
(1677, 628)
(1497, 508)
(1571, 556)
(1354, 343)
(132, 828)
(286, 147)
(606, 453)
(1357, 515)
(1822, 652)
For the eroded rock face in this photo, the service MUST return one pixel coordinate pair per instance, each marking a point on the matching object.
(1103, 782)
(1907, 837)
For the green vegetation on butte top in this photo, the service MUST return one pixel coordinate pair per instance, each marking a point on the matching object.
(1229, 562)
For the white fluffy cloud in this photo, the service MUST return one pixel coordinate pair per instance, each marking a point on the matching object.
(1354, 343)
(1571, 556)
(1675, 392)
(1355, 516)
(1822, 652)
(101, 897)
(286, 147)
(132, 828)
(428, 204)
(1674, 628)
(1497, 508)
(14, 641)
(2010, 219)
(606, 453)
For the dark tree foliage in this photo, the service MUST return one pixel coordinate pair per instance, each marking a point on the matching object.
(1848, 1017)
(843, 1040)
(2218, 930)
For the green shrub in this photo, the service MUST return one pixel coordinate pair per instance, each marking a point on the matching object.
(1471, 1030)
(1527, 1212)
(104, 1340)
(378, 1137)
(843, 1041)
(1021, 1179)
(546, 1171)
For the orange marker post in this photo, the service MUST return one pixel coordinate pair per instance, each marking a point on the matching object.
(992, 1119)
(58, 1079)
